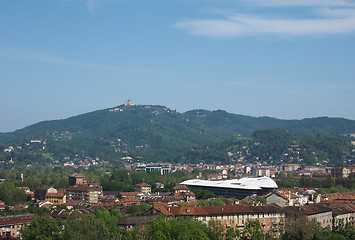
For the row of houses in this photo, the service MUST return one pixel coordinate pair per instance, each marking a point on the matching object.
(273, 219)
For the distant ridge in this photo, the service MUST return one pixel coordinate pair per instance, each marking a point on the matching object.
(153, 132)
(217, 123)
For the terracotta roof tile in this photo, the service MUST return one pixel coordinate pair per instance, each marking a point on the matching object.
(181, 187)
(15, 219)
(142, 184)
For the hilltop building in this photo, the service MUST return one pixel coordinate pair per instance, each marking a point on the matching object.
(129, 102)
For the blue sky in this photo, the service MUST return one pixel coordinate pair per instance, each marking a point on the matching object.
(281, 58)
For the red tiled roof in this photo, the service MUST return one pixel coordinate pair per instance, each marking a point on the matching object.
(77, 175)
(142, 184)
(315, 208)
(129, 194)
(15, 219)
(217, 210)
(58, 194)
(19, 207)
(336, 197)
(43, 188)
(181, 187)
(3, 205)
(85, 187)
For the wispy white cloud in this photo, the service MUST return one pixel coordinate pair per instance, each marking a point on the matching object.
(91, 5)
(20, 54)
(325, 21)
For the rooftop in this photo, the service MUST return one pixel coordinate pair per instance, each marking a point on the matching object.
(142, 184)
(251, 183)
(16, 219)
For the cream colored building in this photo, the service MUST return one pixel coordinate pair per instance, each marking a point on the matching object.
(272, 220)
(143, 187)
(343, 214)
(10, 226)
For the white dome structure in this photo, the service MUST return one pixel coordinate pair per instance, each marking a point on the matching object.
(238, 188)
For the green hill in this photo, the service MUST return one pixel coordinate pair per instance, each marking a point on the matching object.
(151, 132)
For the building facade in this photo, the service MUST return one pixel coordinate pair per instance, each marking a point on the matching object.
(57, 198)
(89, 193)
(234, 216)
(41, 192)
(143, 187)
(76, 179)
(10, 226)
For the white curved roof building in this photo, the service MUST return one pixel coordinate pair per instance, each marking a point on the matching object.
(238, 188)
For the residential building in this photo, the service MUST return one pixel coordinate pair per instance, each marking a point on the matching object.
(343, 213)
(57, 198)
(283, 198)
(319, 212)
(89, 193)
(128, 223)
(10, 226)
(184, 192)
(3, 205)
(181, 189)
(290, 167)
(342, 172)
(41, 192)
(76, 179)
(143, 187)
(346, 197)
(234, 216)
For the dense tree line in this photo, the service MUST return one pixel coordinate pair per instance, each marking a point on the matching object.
(11, 195)
(328, 184)
(103, 225)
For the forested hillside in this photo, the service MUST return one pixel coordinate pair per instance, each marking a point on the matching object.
(157, 133)
(277, 146)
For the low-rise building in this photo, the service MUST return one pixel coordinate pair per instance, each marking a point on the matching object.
(76, 179)
(283, 198)
(130, 222)
(342, 172)
(57, 198)
(41, 192)
(143, 187)
(320, 212)
(89, 193)
(10, 226)
(261, 172)
(234, 216)
(343, 214)
(3, 205)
